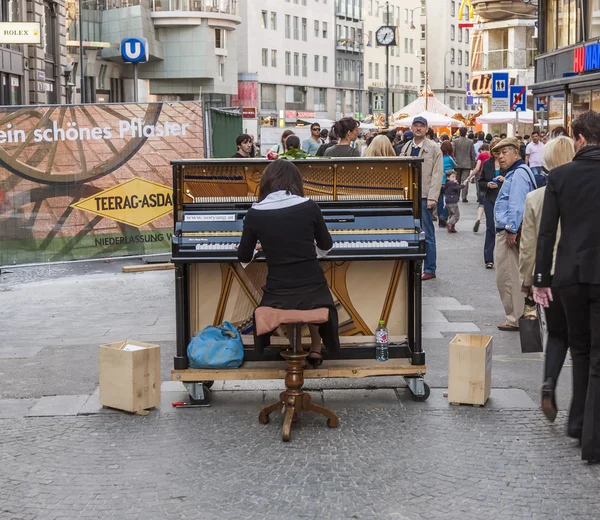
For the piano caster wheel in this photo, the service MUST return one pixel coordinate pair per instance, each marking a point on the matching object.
(199, 393)
(422, 398)
(208, 384)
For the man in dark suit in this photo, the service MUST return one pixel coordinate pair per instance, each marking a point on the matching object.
(572, 195)
(464, 155)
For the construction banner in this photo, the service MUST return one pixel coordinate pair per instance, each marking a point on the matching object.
(91, 181)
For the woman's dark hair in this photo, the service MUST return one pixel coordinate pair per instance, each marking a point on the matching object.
(293, 141)
(447, 148)
(280, 175)
(324, 133)
(587, 125)
(344, 126)
(489, 138)
(430, 133)
(559, 130)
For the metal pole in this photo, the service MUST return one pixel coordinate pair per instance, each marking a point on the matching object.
(426, 62)
(360, 86)
(81, 73)
(135, 82)
(517, 122)
(387, 69)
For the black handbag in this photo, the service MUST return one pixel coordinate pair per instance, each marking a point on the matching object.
(530, 330)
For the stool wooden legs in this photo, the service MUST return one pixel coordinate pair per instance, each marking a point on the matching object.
(294, 398)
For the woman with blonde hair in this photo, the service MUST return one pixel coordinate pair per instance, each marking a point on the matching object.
(380, 147)
(558, 151)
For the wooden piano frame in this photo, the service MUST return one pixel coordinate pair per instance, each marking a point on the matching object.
(407, 357)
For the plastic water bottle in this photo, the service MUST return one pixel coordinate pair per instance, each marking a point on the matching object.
(381, 337)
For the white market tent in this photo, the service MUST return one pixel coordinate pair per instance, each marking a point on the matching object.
(418, 106)
(498, 118)
(433, 120)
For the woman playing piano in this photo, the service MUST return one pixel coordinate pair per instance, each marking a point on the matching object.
(293, 235)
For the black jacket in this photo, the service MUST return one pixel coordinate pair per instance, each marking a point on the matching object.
(452, 192)
(488, 171)
(572, 195)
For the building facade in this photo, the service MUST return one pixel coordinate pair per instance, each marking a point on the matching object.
(567, 76)
(192, 46)
(286, 59)
(447, 50)
(504, 41)
(404, 57)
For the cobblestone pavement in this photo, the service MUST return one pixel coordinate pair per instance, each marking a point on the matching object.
(382, 462)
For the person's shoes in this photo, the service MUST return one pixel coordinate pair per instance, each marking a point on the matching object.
(465, 200)
(476, 226)
(575, 434)
(428, 276)
(443, 222)
(549, 400)
(314, 359)
(489, 265)
(434, 218)
(508, 328)
(450, 227)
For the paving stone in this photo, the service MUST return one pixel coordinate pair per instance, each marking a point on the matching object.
(443, 303)
(451, 327)
(337, 399)
(249, 400)
(92, 405)
(430, 313)
(58, 405)
(11, 351)
(15, 408)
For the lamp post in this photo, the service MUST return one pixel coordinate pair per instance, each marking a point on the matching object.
(412, 26)
(386, 36)
(446, 77)
(81, 72)
(361, 76)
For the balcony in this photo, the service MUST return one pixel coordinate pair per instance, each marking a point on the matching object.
(504, 59)
(221, 13)
(496, 10)
(349, 46)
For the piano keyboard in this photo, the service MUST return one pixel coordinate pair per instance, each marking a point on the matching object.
(317, 198)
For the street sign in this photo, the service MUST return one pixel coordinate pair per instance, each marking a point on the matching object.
(471, 99)
(500, 105)
(20, 32)
(500, 85)
(248, 112)
(541, 104)
(518, 98)
(134, 50)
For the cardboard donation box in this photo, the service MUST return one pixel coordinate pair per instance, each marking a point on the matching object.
(470, 369)
(130, 375)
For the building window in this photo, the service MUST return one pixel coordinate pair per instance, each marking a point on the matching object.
(466, 35)
(452, 8)
(219, 39)
(459, 34)
(324, 63)
(422, 55)
(268, 97)
(412, 75)
(317, 33)
(406, 45)
(460, 57)
(296, 28)
(378, 102)
(460, 80)
(296, 64)
(347, 70)
(452, 32)
(406, 20)
(398, 73)
(370, 70)
(288, 26)
(265, 57)
(452, 56)
(377, 71)
(452, 79)
(264, 19)
(564, 23)
(288, 63)
(317, 61)
(295, 98)
(354, 75)
(405, 73)
(391, 75)
(324, 29)
(273, 21)
(304, 29)
(466, 57)
(305, 65)
(422, 31)
(273, 58)
(320, 99)
(422, 83)
(338, 69)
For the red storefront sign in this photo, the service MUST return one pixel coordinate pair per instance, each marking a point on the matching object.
(248, 113)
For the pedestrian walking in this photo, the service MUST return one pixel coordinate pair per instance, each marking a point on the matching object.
(484, 155)
(452, 191)
(313, 143)
(464, 155)
(280, 147)
(490, 183)
(559, 151)
(572, 196)
(431, 182)
(347, 131)
(333, 140)
(380, 147)
(449, 165)
(508, 215)
(534, 153)
(479, 143)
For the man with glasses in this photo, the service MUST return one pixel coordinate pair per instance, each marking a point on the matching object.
(313, 143)
(508, 216)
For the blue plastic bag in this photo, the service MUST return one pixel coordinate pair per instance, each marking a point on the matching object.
(217, 348)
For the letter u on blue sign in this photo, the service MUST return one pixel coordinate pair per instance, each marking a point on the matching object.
(134, 50)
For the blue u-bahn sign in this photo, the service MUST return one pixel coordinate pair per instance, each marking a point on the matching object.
(134, 50)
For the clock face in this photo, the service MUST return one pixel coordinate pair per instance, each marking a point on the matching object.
(385, 35)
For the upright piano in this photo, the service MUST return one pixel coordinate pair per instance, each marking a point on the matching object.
(372, 207)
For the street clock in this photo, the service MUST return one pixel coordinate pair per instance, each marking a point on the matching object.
(386, 35)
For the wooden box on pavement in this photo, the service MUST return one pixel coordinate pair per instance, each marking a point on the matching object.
(130, 375)
(470, 369)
